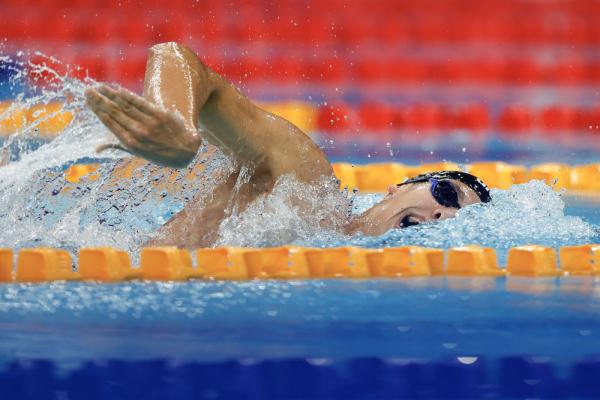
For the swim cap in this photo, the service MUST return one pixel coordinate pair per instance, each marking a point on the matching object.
(473, 182)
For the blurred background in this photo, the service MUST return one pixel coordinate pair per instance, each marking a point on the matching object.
(409, 81)
(371, 80)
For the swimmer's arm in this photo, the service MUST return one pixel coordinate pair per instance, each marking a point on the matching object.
(184, 97)
(228, 119)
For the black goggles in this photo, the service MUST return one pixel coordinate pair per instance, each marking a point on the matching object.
(443, 191)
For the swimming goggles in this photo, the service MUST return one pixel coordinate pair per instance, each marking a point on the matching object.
(442, 191)
(445, 193)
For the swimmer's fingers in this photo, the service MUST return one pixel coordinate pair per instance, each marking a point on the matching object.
(121, 98)
(111, 112)
(117, 129)
(138, 102)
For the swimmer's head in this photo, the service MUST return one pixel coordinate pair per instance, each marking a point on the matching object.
(427, 197)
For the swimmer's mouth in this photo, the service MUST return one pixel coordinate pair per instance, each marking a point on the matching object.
(405, 222)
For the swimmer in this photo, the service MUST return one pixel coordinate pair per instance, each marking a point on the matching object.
(186, 104)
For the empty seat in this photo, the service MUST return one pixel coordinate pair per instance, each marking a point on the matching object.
(516, 119)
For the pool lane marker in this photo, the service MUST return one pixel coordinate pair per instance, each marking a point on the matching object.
(580, 260)
(473, 261)
(377, 177)
(45, 264)
(6, 265)
(408, 261)
(106, 264)
(532, 260)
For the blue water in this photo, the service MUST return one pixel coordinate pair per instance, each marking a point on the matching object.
(550, 322)
(424, 319)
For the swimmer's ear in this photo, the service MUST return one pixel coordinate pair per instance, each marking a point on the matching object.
(111, 146)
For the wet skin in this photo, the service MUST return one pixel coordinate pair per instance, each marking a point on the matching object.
(413, 202)
(185, 104)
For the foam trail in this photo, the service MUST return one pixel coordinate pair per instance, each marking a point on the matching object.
(530, 213)
(37, 205)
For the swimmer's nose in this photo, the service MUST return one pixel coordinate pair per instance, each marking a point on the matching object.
(392, 189)
(443, 213)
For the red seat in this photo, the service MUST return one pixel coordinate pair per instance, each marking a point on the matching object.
(570, 71)
(22, 29)
(324, 70)
(427, 117)
(561, 118)
(516, 119)
(592, 120)
(357, 32)
(131, 70)
(99, 31)
(450, 71)
(473, 117)
(89, 65)
(392, 32)
(206, 32)
(431, 31)
(43, 71)
(285, 69)
(333, 118)
(377, 117)
(523, 72)
(137, 32)
(370, 70)
(62, 30)
(411, 71)
(488, 71)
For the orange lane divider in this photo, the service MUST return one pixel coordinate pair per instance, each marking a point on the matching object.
(378, 176)
(586, 177)
(45, 264)
(580, 260)
(558, 175)
(406, 261)
(533, 260)
(345, 172)
(167, 264)
(106, 264)
(75, 172)
(472, 261)
(498, 174)
(300, 113)
(432, 167)
(222, 263)
(51, 119)
(12, 117)
(276, 263)
(339, 262)
(6, 265)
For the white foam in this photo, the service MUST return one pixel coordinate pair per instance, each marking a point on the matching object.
(88, 214)
(528, 213)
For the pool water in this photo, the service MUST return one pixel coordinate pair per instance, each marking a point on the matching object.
(554, 322)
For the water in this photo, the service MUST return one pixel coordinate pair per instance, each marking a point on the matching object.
(424, 319)
(39, 207)
(416, 318)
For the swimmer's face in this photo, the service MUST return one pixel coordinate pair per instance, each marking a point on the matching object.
(412, 204)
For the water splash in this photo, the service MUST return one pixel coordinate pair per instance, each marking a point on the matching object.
(292, 212)
(38, 207)
(524, 214)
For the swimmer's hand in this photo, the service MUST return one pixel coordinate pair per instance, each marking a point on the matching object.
(143, 128)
